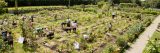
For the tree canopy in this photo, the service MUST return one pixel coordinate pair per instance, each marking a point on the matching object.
(2, 3)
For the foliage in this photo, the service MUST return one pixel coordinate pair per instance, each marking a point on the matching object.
(141, 10)
(121, 42)
(153, 44)
(126, 1)
(4, 47)
(134, 31)
(101, 3)
(123, 5)
(2, 4)
(151, 3)
(110, 48)
(96, 24)
(49, 2)
(150, 11)
(35, 8)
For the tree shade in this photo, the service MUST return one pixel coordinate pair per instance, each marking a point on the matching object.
(49, 2)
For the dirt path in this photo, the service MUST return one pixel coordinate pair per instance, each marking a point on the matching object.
(141, 42)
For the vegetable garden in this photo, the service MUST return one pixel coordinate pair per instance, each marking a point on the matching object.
(104, 34)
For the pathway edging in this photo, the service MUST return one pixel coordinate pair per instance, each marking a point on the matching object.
(141, 42)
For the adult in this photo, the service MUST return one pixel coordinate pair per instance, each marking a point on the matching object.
(76, 45)
(50, 34)
(14, 24)
(74, 25)
(24, 17)
(39, 31)
(4, 35)
(68, 22)
(110, 26)
(55, 17)
(113, 15)
(10, 39)
(31, 24)
(86, 37)
(5, 22)
(32, 18)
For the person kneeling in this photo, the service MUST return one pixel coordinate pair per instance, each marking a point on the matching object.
(50, 35)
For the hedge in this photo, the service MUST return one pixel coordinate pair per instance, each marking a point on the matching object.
(123, 5)
(34, 9)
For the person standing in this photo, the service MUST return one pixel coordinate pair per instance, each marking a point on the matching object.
(32, 18)
(74, 25)
(4, 35)
(113, 15)
(10, 39)
(68, 22)
(23, 17)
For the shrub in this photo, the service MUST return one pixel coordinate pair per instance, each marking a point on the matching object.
(134, 31)
(121, 41)
(124, 5)
(153, 46)
(4, 47)
(2, 4)
(91, 10)
(138, 16)
(101, 3)
(147, 21)
(151, 3)
(110, 48)
(35, 9)
(150, 12)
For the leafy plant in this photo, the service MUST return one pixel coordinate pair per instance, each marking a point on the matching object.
(125, 5)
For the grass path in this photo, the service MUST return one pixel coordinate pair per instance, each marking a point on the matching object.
(142, 41)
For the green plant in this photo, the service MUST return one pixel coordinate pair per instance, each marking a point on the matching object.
(121, 42)
(126, 5)
(153, 45)
(36, 8)
(138, 16)
(101, 3)
(2, 5)
(4, 47)
(110, 48)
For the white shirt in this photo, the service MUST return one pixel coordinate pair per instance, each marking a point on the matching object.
(5, 22)
(76, 45)
(85, 36)
(74, 24)
(113, 13)
(21, 39)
